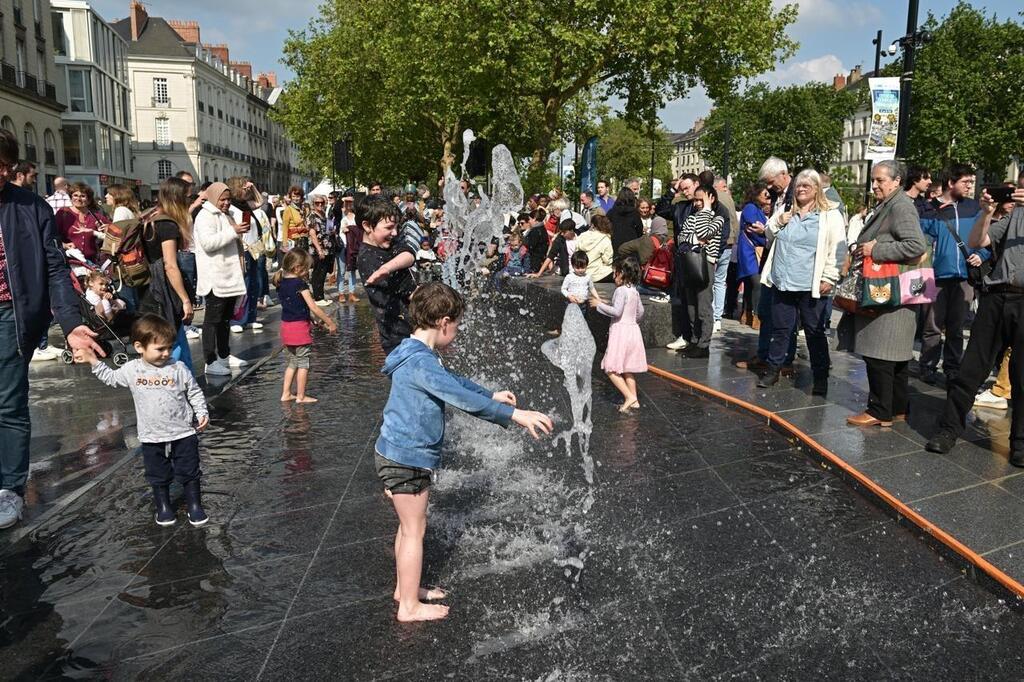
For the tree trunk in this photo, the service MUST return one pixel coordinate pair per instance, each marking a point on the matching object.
(542, 148)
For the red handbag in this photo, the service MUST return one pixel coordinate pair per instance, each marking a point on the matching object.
(657, 273)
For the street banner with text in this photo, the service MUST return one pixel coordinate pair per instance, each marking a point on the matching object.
(885, 118)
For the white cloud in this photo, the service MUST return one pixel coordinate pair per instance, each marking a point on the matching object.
(817, 14)
(820, 69)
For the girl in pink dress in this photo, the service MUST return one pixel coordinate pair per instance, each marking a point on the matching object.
(625, 355)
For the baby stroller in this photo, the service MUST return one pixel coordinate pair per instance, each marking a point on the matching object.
(110, 335)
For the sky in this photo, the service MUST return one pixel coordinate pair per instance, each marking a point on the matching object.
(834, 35)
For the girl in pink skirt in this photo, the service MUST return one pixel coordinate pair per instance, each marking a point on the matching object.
(296, 305)
(625, 355)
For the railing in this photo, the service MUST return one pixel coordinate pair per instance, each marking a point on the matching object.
(8, 74)
(162, 145)
(160, 101)
(51, 157)
(30, 153)
(19, 78)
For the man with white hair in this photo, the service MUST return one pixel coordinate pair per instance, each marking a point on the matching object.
(60, 198)
(634, 184)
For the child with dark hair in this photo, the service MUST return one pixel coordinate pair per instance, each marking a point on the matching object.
(384, 259)
(408, 451)
(170, 410)
(578, 287)
(626, 355)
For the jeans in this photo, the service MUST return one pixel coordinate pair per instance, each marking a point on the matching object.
(345, 275)
(181, 463)
(180, 352)
(253, 284)
(998, 325)
(217, 327)
(15, 427)
(949, 312)
(788, 307)
(888, 386)
(721, 275)
(187, 265)
(764, 335)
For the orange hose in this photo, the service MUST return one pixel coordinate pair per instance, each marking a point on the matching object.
(920, 521)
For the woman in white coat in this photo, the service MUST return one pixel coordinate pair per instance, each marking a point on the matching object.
(219, 275)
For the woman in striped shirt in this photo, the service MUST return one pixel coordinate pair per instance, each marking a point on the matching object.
(704, 229)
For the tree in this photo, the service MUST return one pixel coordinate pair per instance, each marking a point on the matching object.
(967, 103)
(802, 124)
(624, 151)
(409, 77)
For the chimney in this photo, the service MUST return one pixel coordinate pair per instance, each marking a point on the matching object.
(855, 75)
(188, 31)
(263, 82)
(220, 52)
(138, 16)
(271, 79)
(839, 82)
(244, 68)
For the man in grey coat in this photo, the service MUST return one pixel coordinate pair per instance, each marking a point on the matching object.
(891, 234)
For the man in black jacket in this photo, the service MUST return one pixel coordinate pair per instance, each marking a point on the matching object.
(33, 280)
(676, 204)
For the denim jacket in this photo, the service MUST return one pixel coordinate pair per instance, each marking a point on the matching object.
(413, 429)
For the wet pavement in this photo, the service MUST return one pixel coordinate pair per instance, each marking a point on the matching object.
(713, 548)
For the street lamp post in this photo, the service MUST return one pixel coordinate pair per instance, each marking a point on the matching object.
(877, 42)
(910, 42)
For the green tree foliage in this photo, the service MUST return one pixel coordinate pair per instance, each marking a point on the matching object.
(408, 77)
(967, 104)
(802, 124)
(624, 151)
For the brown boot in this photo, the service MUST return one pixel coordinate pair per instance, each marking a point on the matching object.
(352, 298)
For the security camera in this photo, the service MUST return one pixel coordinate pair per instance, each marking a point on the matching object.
(893, 49)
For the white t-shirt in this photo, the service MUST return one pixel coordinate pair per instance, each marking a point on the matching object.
(574, 285)
(93, 298)
(123, 213)
(425, 254)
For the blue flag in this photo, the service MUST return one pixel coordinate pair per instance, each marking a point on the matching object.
(588, 166)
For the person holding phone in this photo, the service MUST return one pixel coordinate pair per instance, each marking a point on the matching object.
(247, 211)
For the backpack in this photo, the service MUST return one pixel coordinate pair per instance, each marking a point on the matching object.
(658, 271)
(123, 240)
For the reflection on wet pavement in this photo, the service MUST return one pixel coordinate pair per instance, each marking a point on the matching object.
(713, 548)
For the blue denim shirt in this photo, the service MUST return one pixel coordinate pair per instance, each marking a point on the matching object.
(795, 247)
(413, 430)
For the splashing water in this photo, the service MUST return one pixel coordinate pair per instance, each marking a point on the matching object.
(466, 225)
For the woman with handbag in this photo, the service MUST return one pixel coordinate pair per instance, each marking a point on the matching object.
(221, 279)
(697, 255)
(323, 242)
(885, 339)
(805, 245)
(246, 209)
(750, 249)
(166, 229)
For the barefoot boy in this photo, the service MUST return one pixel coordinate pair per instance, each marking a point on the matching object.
(409, 446)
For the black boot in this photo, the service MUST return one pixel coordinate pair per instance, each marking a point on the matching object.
(193, 505)
(162, 500)
(769, 378)
(820, 386)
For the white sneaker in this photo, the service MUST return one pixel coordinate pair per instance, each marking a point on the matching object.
(218, 368)
(237, 328)
(255, 326)
(323, 303)
(990, 400)
(44, 354)
(678, 344)
(267, 302)
(717, 328)
(193, 333)
(234, 362)
(11, 504)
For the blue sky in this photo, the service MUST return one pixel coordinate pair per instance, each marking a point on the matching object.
(834, 35)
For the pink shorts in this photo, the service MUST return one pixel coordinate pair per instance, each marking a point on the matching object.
(296, 333)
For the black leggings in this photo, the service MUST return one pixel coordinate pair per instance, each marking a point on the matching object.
(321, 268)
(217, 326)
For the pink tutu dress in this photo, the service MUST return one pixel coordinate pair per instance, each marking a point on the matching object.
(625, 354)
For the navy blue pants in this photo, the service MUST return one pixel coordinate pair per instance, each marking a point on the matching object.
(788, 307)
(15, 428)
(764, 335)
(177, 460)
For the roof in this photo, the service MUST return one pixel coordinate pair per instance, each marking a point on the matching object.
(158, 39)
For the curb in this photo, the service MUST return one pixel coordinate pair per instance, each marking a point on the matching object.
(851, 472)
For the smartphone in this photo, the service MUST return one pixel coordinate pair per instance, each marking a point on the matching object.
(1000, 193)
(246, 217)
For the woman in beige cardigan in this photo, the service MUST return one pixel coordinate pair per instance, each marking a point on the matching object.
(804, 245)
(597, 244)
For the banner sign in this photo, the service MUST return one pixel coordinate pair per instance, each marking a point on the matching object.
(885, 118)
(588, 166)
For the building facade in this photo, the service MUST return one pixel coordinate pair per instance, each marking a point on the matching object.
(92, 82)
(196, 110)
(28, 97)
(686, 156)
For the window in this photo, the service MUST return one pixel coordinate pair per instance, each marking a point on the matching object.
(50, 147)
(30, 144)
(104, 147)
(22, 61)
(164, 169)
(160, 91)
(72, 135)
(7, 124)
(117, 150)
(163, 131)
(60, 38)
(41, 59)
(80, 90)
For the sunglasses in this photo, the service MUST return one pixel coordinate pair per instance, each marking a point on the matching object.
(318, 203)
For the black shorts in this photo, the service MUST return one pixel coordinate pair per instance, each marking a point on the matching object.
(401, 479)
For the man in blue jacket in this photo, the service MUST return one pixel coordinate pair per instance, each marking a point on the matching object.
(948, 223)
(33, 280)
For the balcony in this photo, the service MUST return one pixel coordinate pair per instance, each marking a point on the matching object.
(162, 146)
(160, 102)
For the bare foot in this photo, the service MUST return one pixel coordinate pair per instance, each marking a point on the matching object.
(287, 397)
(305, 399)
(422, 612)
(428, 594)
